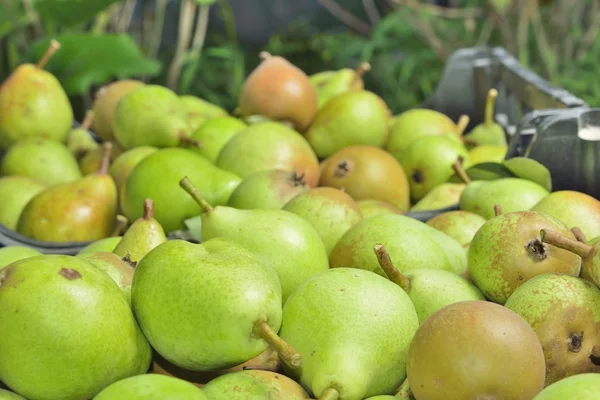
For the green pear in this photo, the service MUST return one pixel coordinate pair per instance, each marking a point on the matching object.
(79, 140)
(105, 103)
(488, 153)
(564, 311)
(150, 115)
(428, 163)
(508, 250)
(288, 243)
(429, 289)
(33, 103)
(441, 196)
(106, 244)
(371, 207)
(199, 110)
(383, 397)
(123, 165)
(254, 385)
(267, 189)
(6, 395)
(330, 84)
(15, 193)
(512, 194)
(459, 225)
(208, 306)
(330, 211)
(119, 269)
(214, 135)
(156, 177)
(44, 160)
(78, 211)
(151, 387)
(488, 132)
(351, 118)
(267, 146)
(354, 328)
(411, 244)
(10, 254)
(67, 330)
(142, 236)
(580, 387)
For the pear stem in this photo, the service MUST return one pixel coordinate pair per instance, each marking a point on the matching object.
(52, 48)
(461, 125)
(363, 68)
(188, 141)
(196, 195)
(329, 394)
(489, 107)
(404, 391)
(561, 241)
(105, 162)
(460, 171)
(286, 352)
(385, 262)
(264, 55)
(120, 225)
(148, 209)
(579, 235)
(497, 210)
(271, 365)
(87, 121)
(596, 351)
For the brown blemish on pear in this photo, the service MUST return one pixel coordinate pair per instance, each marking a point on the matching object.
(69, 274)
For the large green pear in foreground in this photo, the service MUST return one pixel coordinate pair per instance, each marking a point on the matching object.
(151, 387)
(354, 329)
(282, 240)
(67, 330)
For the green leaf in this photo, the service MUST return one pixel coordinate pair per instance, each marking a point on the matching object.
(85, 60)
(70, 12)
(485, 172)
(526, 168)
(205, 2)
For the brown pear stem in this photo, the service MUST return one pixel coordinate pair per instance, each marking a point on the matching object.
(596, 351)
(489, 107)
(188, 141)
(329, 394)
(404, 391)
(497, 210)
(579, 235)
(52, 48)
(385, 262)
(264, 55)
(362, 69)
(286, 352)
(105, 162)
(120, 225)
(460, 171)
(462, 123)
(561, 241)
(148, 209)
(196, 195)
(87, 121)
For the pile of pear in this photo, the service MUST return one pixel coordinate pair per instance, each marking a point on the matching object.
(265, 254)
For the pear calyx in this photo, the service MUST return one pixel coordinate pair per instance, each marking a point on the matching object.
(329, 394)
(497, 210)
(88, 120)
(579, 235)
(460, 171)
(148, 209)
(554, 238)
(120, 225)
(297, 180)
(196, 195)
(575, 342)
(385, 262)
(417, 176)
(52, 48)
(127, 259)
(462, 123)
(286, 352)
(188, 141)
(489, 107)
(536, 249)
(343, 168)
(105, 162)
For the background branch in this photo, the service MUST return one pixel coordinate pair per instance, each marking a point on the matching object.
(346, 17)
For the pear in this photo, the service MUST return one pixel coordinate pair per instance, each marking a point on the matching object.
(429, 290)
(254, 385)
(371, 207)
(417, 123)
(123, 165)
(10, 254)
(79, 140)
(267, 146)
(488, 132)
(214, 135)
(33, 103)
(78, 211)
(156, 177)
(151, 387)
(459, 225)
(508, 250)
(289, 244)
(367, 172)
(91, 162)
(267, 189)
(349, 119)
(105, 103)
(280, 91)
(473, 350)
(208, 306)
(15, 193)
(564, 311)
(574, 209)
(488, 153)
(580, 387)
(150, 115)
(329, 84)
(200, 111)
(106, 244)
(142, 236)
(119, 269)
(45, 301)
(44, 160)
(6, 395)
(411, 244)
(356, 346)
(441, 196)
(330, 211)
